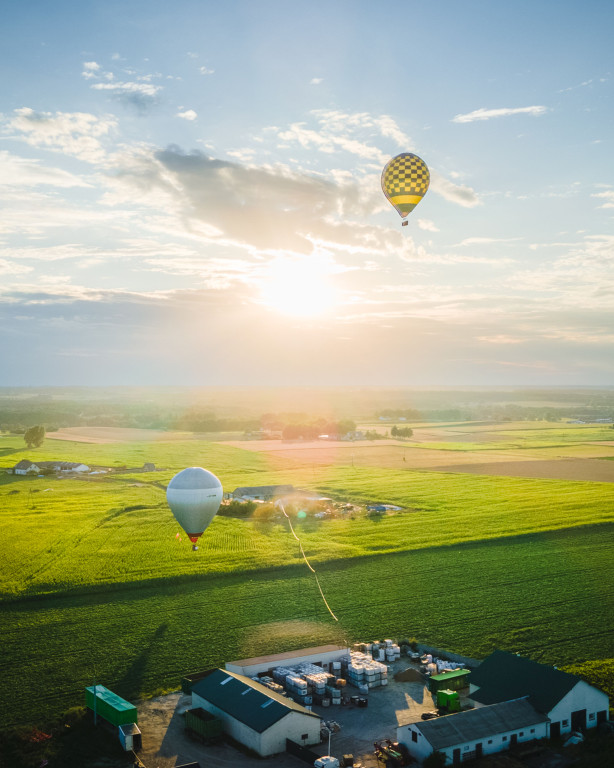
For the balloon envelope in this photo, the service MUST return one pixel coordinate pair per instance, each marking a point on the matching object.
(194, 496)
(405, 180)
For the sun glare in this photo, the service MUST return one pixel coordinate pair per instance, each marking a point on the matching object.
(300, 288)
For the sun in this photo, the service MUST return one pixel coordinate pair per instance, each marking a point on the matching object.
(298, 287)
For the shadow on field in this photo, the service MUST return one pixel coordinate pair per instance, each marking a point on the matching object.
(135, 674)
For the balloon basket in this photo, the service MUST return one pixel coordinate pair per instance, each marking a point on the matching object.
(194, 548)
(404, 223)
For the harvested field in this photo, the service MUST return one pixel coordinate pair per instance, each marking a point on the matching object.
(102, 435)
(591, 470)
(383, 453)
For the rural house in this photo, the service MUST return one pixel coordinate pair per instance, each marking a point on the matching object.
(476, 732)
(253, 715)
(25, 466)
(568, 701)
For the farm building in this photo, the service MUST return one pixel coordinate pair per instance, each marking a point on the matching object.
(476, 732)
(254, 715)
(261, 493)
(322, 655)
(567, 701)
(25, 466)
(453, 680)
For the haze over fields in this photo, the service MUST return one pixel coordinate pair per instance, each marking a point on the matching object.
(191, 193)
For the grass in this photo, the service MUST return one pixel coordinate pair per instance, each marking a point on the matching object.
(95, 584)
(119, 529)
(542, 594)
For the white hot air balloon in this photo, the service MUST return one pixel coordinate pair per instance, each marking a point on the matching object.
(194, 496)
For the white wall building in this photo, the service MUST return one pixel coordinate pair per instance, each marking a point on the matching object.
(323, 655)
(24, 466)
(477, 732)
(569, 702)
(253, 715)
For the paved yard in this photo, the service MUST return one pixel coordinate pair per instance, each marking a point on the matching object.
(165, 744)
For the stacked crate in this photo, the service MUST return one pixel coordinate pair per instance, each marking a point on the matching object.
(334, 694)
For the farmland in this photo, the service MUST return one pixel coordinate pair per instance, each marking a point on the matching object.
(95, 583)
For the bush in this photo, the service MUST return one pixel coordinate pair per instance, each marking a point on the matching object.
(435, 760)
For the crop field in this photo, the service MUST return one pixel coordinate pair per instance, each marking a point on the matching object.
(94, 582)
(541, 594)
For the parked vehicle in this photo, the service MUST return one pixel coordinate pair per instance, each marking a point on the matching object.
(326, 761)
(429, 715)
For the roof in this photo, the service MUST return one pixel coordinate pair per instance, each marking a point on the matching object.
(452, 673)
(276, 658)
(480, 723)
(503, 676)
(112, 699)
(24, 464)
(246, 700)
(270, 490)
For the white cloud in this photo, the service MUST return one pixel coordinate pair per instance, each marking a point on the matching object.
(488, 114)
(10, 268)
(329, 142)
(315, 81)
(501, 338)
(206, 71)
(454, 193)
(487, 240)
(89, 69)
(427, 225)
(74, 133)
(608, 196)
(140, 95)
(189, 114)
(21, 172)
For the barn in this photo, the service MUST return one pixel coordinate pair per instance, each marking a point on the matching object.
(253, 715)
(569, 702)
(474, 733)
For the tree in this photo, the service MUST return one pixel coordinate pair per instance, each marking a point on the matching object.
(435, 760)
(34, 436)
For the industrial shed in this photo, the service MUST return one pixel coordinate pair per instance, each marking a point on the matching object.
(253, 715)
(451, 681)
(322, 655)
(568, 701)
(474, 733)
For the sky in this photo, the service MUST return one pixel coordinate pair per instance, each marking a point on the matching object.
(190, 193)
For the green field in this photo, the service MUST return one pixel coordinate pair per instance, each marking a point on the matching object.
(93, 582)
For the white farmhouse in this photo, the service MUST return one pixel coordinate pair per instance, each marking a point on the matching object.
(477, 732)
(253, 715)
(24, 466)
(568, 701)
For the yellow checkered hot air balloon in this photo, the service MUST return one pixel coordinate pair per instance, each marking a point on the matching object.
(405, 180)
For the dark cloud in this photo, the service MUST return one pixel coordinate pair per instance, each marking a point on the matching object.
(268, 208)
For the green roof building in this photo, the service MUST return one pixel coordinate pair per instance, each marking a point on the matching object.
(452, 681)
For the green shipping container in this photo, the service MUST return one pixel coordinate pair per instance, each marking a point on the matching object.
(203, 724)
(455, 680)
(450, 700)
(110, 706)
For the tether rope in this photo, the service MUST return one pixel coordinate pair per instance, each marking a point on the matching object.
(281, 506)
